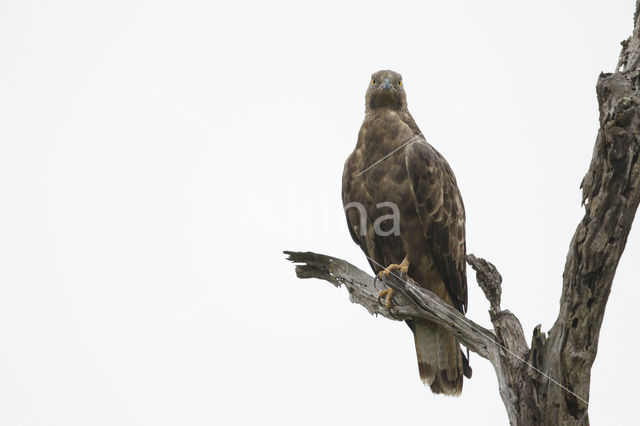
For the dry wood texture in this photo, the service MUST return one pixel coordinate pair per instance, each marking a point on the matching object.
(547, 383)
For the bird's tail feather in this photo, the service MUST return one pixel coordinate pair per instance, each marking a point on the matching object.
(439, 358)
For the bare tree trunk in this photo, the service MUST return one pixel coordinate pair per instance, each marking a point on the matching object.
(547, 383)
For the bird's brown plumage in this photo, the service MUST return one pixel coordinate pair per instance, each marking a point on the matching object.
(393, 163)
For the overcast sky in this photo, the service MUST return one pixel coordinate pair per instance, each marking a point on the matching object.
(156, 158)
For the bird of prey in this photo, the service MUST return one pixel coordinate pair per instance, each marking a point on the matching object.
(393, 167)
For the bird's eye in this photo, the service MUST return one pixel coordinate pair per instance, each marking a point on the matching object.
(373, 82)
(400, 83)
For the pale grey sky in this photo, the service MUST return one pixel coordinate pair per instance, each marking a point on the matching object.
(157, 157)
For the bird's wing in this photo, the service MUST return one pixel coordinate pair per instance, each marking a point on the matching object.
(441, 211)
(360, 233)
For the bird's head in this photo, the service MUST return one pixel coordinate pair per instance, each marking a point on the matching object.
(385, 91)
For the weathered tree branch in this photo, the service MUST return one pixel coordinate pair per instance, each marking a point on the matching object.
(547, 384)
(611, 193)
(410, 302)
(508, 346)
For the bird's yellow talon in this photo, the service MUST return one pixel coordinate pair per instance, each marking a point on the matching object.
(403, 267)
(388, 295)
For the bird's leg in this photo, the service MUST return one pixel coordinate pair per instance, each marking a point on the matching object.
(387, 293)
(403, 267)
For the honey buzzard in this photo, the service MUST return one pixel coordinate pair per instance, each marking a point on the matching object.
(392, 165)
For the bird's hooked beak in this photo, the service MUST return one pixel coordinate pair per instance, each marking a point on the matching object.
(386, 84)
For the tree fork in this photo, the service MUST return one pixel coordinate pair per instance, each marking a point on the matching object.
(548, 383)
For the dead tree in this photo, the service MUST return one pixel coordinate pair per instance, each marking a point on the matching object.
(546, 383)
